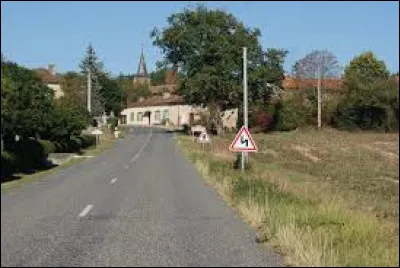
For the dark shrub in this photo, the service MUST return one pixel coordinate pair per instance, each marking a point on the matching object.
(48, 147)
(74, 144)
(113, 121)
(88, 140)
(8, 164)
(289, 115)
(375, 107)
(264, 120)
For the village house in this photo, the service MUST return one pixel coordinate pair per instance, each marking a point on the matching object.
(51, 79)
(165, 106)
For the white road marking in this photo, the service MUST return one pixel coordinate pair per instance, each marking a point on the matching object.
(126, 167)
(136, 156)
(85, 211)
(113, 181)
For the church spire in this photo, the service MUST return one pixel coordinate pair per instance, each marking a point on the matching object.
(142, 71)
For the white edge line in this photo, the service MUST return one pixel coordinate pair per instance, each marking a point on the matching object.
(136, 156)
(85, 211)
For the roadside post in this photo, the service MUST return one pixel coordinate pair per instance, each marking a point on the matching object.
(97, 132)
(243, 141)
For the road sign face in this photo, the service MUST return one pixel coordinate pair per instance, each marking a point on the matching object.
(243, 142)
(97, 132)
(204, 138)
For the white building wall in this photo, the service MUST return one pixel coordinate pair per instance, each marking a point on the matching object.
(58, 93)
(174, 111)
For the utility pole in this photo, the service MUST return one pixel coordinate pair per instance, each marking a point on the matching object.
(245, 117)
(319, 96)
(89, 89)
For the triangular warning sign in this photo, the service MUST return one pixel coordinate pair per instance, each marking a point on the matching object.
(243, 142)
(204, 137)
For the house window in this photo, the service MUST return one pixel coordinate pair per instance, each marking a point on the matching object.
(140, 117)
(123, 119)
(166, 114)
(132, 116)
(157, 116)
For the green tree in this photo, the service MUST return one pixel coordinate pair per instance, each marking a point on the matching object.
(91, 62)
(365, 69)
(138, 91)
(371, 100)
(158, 77)
(112, 92)
(26, 102)
(68, 119)
(206, 47)
(125, 83)
(74, 87)
(130, 92)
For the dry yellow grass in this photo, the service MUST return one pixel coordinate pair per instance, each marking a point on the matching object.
(339, 210)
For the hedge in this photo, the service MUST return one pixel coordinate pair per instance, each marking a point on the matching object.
(8, 164)
(29, 154)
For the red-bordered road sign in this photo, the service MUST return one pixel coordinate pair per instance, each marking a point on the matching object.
(243, 142)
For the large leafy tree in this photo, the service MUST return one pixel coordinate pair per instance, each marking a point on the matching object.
(26, 102)
(371, 100)
(317, 64)
(206, 47)
(92, 63)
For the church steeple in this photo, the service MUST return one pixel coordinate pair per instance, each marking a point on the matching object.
(141, 76)
(142, 71)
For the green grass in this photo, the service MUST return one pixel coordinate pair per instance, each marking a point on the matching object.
(327, 212)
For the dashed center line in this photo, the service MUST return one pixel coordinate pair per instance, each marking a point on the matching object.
(113, 181)
(136, 156)
(85, 211)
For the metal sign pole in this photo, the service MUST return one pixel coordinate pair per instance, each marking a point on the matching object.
(89, 91)
(245, 117)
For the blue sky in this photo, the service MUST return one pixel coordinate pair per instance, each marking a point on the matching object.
(38, 33)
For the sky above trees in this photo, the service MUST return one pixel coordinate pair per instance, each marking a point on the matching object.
(38, 33)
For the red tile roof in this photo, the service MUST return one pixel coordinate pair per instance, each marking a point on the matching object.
(47, 77)
(157, 101)
(163, 88)
(292, 83)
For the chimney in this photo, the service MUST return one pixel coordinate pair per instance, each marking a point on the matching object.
(52, 69)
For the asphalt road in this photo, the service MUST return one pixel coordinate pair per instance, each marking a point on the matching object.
(139, 204)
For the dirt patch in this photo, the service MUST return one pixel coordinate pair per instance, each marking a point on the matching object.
(306, 152)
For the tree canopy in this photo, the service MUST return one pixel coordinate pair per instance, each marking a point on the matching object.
(91, 62)
(206, 47)
(112, 93)
(366, 69)
(317, 64)
(158, 76)
(26, 102)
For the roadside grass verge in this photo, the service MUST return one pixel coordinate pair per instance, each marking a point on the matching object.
(309, 219)
(19, 179)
